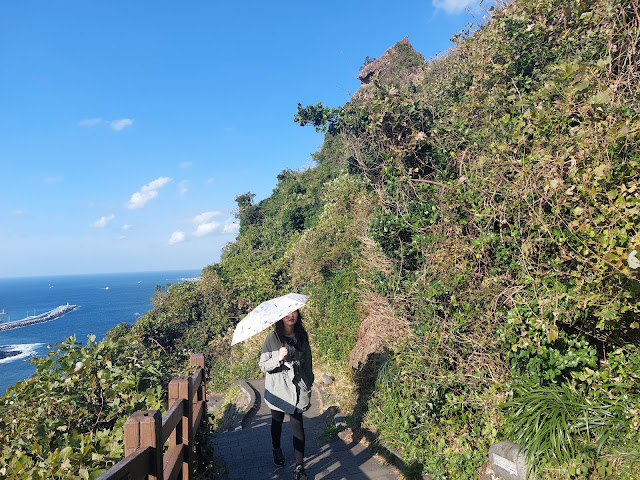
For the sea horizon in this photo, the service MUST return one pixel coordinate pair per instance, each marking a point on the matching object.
(132, 272)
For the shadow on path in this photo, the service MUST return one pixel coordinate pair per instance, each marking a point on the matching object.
(247, 452)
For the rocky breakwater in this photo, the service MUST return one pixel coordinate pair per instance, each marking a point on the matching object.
(43, 317)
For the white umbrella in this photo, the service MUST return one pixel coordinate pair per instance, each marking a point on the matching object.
(266, 314)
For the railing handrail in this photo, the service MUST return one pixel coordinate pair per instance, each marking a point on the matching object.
(147, 432)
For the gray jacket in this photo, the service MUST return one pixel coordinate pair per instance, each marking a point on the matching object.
(287, 384)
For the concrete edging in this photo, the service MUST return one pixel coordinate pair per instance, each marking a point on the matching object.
(248, 390)
(392, 454)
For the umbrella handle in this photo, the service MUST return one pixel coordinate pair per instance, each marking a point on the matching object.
(279, 339)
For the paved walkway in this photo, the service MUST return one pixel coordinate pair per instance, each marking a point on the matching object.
(247, 451)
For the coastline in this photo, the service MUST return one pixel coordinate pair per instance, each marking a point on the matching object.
(12, 353)
(7, 351)
(98, 311)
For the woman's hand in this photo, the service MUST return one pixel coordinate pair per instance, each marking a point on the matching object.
(282, 353)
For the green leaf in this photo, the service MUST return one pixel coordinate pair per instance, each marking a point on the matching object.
(66, 452)
(601, 98)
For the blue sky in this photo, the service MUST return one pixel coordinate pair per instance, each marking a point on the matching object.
(127, 128)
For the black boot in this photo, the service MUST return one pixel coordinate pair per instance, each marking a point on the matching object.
(278, 457)
(299, 473)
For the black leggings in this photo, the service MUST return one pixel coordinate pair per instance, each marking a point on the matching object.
(298, 432)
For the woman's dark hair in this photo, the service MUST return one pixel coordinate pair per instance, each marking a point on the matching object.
(298, 329)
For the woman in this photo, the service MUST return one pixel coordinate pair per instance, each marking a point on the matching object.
(286, 361)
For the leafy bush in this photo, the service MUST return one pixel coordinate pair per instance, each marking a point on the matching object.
(66, 421)
(325, 263)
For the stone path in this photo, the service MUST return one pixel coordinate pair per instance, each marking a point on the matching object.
(247, 451)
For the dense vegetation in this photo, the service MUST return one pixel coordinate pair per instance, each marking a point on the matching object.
(469, 237)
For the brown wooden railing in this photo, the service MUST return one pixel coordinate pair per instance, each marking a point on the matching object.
(147, 432)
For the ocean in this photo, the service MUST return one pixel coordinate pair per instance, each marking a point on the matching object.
(103, 300)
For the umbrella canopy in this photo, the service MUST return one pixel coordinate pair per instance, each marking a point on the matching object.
(266, 314)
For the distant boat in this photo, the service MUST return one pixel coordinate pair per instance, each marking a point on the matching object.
(3, 312)
(106, 288)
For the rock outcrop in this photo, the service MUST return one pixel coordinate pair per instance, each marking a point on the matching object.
(399, 65)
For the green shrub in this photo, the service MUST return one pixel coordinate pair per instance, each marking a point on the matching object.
(66, 421)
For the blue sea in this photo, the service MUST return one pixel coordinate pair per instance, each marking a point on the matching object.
(103, 301)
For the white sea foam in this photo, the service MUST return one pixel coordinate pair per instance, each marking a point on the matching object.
(26, 350)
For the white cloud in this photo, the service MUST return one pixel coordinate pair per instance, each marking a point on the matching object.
(126, 227)
(453, 7)
(139, 199)
(231, 226)
(156, 184)
(183, 187)
(102, 221)
(120, 124)
(204, 217)
(209, 181)
(176, 237)
(146, 193)
(117, 125)
(206, 229)
(186, 164)
(89, 122)
(207, 226)
(17, 213)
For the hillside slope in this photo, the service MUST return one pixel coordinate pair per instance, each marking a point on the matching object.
(507, 180)
(498, 278)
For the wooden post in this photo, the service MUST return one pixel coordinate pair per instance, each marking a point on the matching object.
(141, 430)
(197, 359)
(150, 435)
(188, 432)
(174, 396)
(131, 434)
(179, 391)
